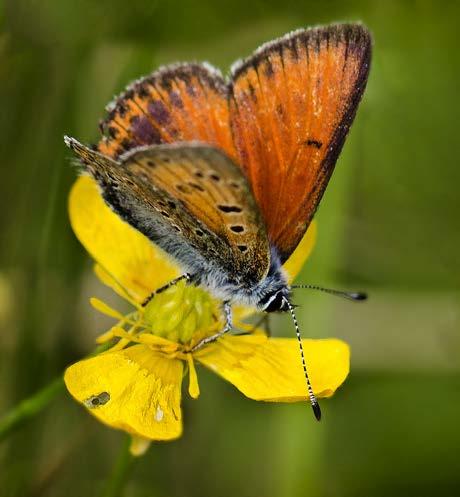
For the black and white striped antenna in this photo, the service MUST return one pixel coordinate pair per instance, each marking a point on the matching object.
(355, 296)
(313, 400)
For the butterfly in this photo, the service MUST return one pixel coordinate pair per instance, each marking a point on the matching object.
(225, 175)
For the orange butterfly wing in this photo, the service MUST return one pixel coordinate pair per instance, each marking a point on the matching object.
(180, 102)
(283, 118)
(292, 103)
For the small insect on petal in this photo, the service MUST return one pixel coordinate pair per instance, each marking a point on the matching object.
(97, 400)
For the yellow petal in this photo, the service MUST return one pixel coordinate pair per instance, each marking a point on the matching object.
(297, 259)
(241, 312)
(132, 389)
(124, 253)
(271, 370)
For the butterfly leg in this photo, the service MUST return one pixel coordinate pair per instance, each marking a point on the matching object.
(185, 276)
(265, 322)
(227, 327)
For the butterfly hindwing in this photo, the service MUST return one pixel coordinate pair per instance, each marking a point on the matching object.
(191, 200)
(291, 105)
(179, 102)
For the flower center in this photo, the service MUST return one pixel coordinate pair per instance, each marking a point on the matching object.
(181, 312)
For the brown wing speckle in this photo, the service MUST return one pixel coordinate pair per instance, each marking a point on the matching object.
(160, 185)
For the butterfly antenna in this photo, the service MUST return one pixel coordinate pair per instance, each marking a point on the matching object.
(311, 395)
(355, 296)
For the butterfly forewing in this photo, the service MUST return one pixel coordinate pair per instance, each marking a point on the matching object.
(180, 102)
(191, 200)
(291, 105)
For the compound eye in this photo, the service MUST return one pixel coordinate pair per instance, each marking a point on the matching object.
(275, 303)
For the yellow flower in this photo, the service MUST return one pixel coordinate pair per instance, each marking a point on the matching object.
(136, 385)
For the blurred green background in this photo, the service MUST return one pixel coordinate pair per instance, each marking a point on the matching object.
(389, 224)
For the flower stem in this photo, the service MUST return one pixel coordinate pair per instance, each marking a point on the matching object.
(30, 407)
(121, 470)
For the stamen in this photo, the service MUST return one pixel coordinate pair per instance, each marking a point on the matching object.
(105, 337)
(311, 395)
(105, 309)
(193, 387)
(105, 276)
(102, 307)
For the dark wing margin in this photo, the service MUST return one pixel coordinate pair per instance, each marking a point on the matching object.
(291, 104)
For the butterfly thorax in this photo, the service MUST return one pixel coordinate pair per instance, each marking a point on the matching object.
(267, 294)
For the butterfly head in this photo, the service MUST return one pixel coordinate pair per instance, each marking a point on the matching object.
(275, 301)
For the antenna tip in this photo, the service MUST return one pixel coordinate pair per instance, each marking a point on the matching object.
(316, 410)
(358, 296)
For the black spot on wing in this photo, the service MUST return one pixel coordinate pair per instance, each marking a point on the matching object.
(112, 132)
(314, 143)
(229, 208)
(196, 186)
(183, 189)
(142, 91)
(127, 144)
